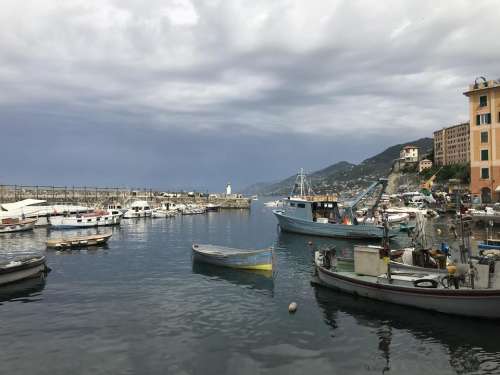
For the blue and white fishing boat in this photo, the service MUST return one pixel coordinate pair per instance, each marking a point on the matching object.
(320, 215)
(234, 258)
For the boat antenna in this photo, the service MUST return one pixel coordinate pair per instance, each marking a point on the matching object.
(303, 185)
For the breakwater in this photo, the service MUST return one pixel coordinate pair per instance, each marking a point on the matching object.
(101, 196)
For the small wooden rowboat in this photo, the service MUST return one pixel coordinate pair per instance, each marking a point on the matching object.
(234, 258)
(79, 241)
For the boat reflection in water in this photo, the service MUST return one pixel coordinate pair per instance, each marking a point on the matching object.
(470, 345)
(252, 279)
(24, 291)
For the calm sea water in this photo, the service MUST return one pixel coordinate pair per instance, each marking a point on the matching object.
(140, 306)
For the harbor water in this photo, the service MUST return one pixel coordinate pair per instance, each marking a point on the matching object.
(140, 306)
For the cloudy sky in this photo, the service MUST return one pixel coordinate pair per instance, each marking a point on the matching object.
(192, 94)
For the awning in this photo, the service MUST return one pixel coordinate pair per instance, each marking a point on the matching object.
(497, 189)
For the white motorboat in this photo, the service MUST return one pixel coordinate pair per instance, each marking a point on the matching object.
(37, 209)
(273, 204)
(21, 269)
(138, 209)
(9, 225)
(93, 219)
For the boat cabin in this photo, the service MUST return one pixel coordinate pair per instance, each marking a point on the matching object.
(322, 209)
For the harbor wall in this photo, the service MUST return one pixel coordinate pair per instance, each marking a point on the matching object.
(101, 196)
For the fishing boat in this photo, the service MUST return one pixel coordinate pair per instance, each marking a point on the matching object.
(138, 209)
(21, 269)
(321, 215)
(92, 219)
(234, 258)
(78, 241)
(9, 225)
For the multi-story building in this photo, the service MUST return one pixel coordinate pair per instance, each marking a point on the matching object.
(452, 145)
(424, 164)
(484, 111)
(409, 154)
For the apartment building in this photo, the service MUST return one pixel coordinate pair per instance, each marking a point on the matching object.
(484, 112)
(452, 145)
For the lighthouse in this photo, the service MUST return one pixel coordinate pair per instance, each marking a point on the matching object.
(228, 189)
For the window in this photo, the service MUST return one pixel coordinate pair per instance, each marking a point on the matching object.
(484, 137)
(485, 118)
(89, 220)
(301, 205)
(79, 221)
(483, 101)
(292, 204)
(485, 173)
(484, 154)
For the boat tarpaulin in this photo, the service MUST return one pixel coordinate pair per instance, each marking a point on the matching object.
(20, 204)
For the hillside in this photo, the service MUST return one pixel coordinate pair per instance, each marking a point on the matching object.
(344, 175)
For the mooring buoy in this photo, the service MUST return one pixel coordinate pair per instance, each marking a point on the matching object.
(292, 307)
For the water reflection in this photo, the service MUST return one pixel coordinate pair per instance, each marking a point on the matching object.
(471, 345)
(252, 279)
(23, 291)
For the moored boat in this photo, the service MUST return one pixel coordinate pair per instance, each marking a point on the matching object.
(9, 225)
(437, 291)
(322, 215)
(92, 219)
(21, 269)
(138, 209)
(234, 258)
(78, 241)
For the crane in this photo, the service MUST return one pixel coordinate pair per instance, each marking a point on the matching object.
(428, 184)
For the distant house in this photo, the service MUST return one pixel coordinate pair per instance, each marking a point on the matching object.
(424, 164)
(409, 154)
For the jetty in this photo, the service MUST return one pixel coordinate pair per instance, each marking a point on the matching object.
(102, 196)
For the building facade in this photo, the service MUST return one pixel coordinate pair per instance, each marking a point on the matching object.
(424, 164)
(409, 154)
(484, 112)
(452, 145)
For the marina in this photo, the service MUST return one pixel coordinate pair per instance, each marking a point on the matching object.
(243, 312)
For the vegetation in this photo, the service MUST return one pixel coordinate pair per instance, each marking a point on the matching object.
(456, 171)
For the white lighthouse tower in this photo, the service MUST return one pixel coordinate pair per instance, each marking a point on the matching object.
(228, 188)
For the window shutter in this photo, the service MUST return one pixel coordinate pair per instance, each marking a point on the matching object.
(477, 119)
(488, 118)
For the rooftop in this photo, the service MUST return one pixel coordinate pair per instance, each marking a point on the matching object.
(481, 84)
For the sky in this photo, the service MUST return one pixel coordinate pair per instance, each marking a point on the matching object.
(188, 94)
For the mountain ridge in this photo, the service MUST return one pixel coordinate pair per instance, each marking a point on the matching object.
(343, 174)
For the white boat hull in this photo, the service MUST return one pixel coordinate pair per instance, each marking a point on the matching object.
(61, 222)
(481, 303)
(18, 227)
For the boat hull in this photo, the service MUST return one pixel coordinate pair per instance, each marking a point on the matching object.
(256, 260)
(482, 303)
(61, 222)
(22, 272)
(78, 242)
(361, 231)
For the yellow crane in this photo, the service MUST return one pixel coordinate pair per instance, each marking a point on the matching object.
(428, 184)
